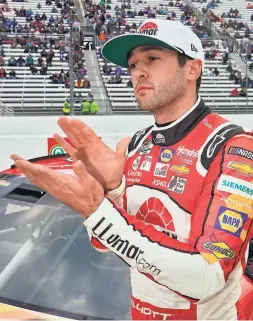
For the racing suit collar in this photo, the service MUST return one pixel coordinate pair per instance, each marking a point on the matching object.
(171, 133)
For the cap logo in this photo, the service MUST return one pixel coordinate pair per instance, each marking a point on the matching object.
(193, 48)
(149, 28)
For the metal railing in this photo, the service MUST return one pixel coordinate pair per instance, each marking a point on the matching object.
(6, 111)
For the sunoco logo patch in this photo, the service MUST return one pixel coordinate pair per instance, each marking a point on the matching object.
(149, 28)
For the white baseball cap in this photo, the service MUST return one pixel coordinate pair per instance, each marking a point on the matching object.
(164, 33)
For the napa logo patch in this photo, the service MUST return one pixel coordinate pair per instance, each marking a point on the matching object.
(230, 221)
(166, 155)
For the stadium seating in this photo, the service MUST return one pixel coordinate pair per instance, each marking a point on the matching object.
(35, 94)
(215, 90)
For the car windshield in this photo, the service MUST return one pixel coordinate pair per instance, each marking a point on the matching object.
(48, 264)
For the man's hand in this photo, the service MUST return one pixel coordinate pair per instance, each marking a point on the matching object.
(106, 166)
(81, 191)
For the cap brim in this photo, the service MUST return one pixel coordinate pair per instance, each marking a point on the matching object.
(116, 49)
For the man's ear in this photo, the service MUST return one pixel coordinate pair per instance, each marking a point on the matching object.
(195, 69)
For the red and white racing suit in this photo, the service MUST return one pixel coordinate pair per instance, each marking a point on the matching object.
(186, 218)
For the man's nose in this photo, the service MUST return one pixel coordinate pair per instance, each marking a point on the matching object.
(140, 71)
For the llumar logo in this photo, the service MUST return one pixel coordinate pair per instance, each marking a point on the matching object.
(149, 28)
(122, 246)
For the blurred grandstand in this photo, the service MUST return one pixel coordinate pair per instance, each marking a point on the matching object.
(49, 48)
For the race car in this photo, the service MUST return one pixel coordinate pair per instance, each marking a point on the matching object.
(48, 268)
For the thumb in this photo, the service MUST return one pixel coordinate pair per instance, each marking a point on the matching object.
(122, 147)
(80, 170)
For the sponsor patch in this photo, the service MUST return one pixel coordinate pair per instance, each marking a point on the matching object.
(146, 147)
(158, 182)
(105, 232)
(159, 139)
(241, 168)
(134, 173)
(149, 28)
(230, 221)
(146, 164)
(177, 184)
(239, 151)
(180, 169)
(161, 170)
(183, 151)
(166, 155)
(220, 249)
(236, 202)
(136, 163)
(236, 186)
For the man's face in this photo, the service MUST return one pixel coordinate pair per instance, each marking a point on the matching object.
(158, 80)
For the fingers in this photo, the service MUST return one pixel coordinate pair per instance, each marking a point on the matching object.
(42, 176)
(85, 133)
(66, 146)
(66, 126)
(80, 170)
(122, 147)
(15, 157)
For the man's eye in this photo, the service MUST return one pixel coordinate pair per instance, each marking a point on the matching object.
(132, 66)
(152, 58)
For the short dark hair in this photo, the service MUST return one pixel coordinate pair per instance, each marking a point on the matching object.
(182, 59)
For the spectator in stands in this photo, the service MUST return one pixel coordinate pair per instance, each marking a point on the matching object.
(107, 69)
(89, 105)
(2, 53)
(39, 6)
(2, 62)
(33, 69)
(102, 38)
(232, 76)
(43, 53)
(12, 74)
(3, 73)
(66, 107)
(251, 67)
(243, 92)
(207, 55)
(86, 83)
(54, 78)
(79, 83)
(43, 70)
(39, 62)
(229, 68)
(20, 61)
(43, 17)
(118, 71)
(67, 83)
(216, 72)
(234, 93)
(29, 61)
(225, 58)
(12, 62)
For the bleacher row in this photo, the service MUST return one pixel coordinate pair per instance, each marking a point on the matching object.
(36, 93)
(215, 90)
(29, 94)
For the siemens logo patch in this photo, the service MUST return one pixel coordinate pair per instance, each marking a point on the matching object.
(230, 221)
(233, 150)
(236, 186)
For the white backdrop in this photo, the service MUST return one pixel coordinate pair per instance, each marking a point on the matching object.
(27, 136)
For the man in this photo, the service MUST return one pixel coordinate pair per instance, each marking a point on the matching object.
(181, 215)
